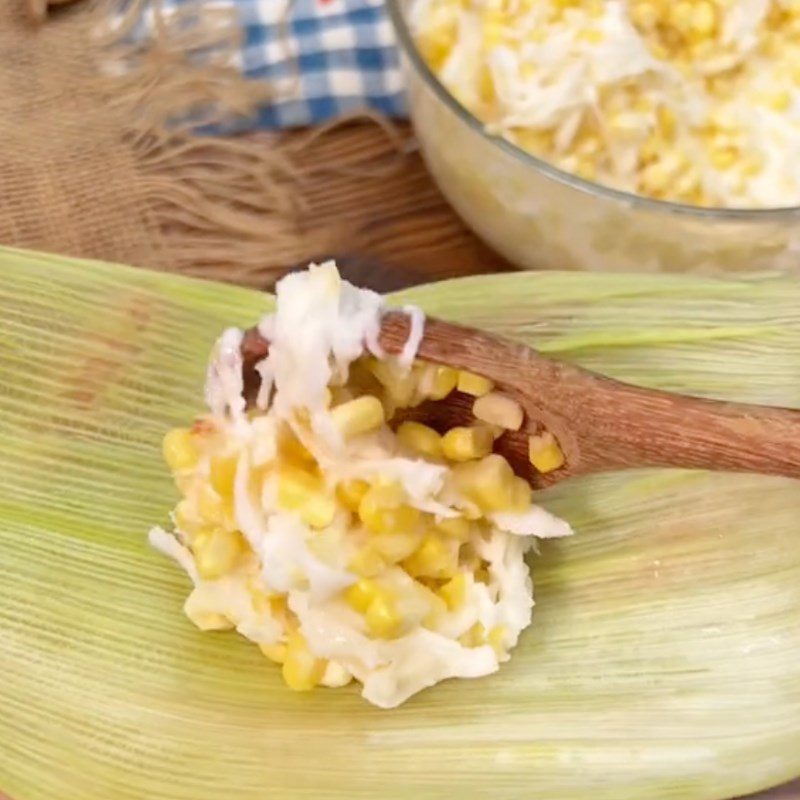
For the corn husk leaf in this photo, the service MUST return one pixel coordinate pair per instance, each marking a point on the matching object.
(664, 659)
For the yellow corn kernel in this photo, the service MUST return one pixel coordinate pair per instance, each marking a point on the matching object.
(301, 671)
(489, 483)
(185, 519)
(260, 600)
(394, 547)
(544, 453)
(752, 165)
(457, 527)
(420, 438)
(474, 637)
(210, 506)
(498, 409)
(703, 22)
(454, 592)
(383, 510)
(291, 449)
(211, 621)
(591, 35)
(724, 157)
(350, 493)
(179, 450)
(644, 15)
(336, 676)
(779, 101)
(382, 618)
(496, 639)
(360, 594)
(274, 652)
(222, 472)
(367, 562)
(436, 557)
(358, 416)
(476, 385)
(217, 552)
(465, 444)
(300, 491)
(399, 384)
(522, 495)
(666, 122)
(439, 381)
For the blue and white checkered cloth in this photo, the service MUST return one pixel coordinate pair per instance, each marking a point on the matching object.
(327, 57)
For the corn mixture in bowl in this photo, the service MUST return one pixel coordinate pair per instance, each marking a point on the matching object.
(345, 543)
(613, 134)
(695, 101)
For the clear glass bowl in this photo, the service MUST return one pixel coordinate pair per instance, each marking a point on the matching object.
(539, 216)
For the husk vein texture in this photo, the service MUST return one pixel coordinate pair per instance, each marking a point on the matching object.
(664, 658)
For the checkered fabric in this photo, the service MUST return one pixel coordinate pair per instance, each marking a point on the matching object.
(328, 57)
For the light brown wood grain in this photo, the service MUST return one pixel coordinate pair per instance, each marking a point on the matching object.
(390, 229)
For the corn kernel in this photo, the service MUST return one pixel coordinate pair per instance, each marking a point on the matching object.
(351, 492)
(210, 621)
(360, 594)
(522, 495)
(591, 35)
(476, 385)
(457, 527)
(420, 438)
(464, 444)
(301, 671)
(703, 19)
(367, 562)
(399, 384)
(383, 510)
(184, 518)
(496, 638)
(335, 676)
(436, 557)
(210, 506)
(644, 15)
(752, 165)
(498, 409)
(454, 592)
(394, 547)
(291, 449)
(382, 618)
(274, 652)
(544, 453)
(489, 483)
(179, 450)
(222, 472)
(217, 552)
(724, 157)
(439, 381)
(300, 491)
(358, 416)
(779, 101)
(474, 637)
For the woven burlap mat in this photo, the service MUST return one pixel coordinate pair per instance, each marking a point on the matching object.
(99, 159)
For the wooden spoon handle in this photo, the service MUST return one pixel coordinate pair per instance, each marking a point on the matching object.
(624, 426)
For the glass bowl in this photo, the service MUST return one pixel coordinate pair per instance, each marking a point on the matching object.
(540, 217)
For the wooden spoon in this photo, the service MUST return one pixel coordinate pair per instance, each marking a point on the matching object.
(601, 424)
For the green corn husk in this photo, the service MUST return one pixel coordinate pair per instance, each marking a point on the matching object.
(664, 659)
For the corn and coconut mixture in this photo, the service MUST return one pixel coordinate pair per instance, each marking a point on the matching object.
(694, 101)
(343, 544)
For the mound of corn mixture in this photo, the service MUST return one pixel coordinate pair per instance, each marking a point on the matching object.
(344, 544)
(694, 101)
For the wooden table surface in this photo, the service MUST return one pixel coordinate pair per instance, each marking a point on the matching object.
(397, 230)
